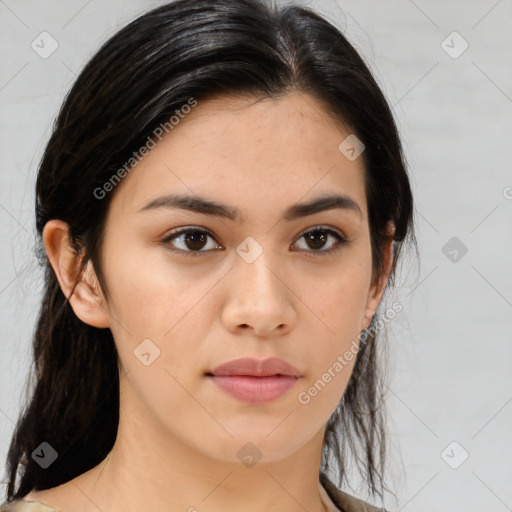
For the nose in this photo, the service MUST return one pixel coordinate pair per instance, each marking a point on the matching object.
(259, 299)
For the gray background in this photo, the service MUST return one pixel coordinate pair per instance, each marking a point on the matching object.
(451, 350)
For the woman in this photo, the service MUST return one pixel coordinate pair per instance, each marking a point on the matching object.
(221, 207)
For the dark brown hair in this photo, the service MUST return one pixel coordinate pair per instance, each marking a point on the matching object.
(134, 83)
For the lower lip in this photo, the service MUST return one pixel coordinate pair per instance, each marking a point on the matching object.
(255, 390)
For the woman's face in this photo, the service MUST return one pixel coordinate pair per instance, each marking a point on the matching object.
(260, 285)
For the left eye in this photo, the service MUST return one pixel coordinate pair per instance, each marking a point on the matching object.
(193, 240)
(319, 236)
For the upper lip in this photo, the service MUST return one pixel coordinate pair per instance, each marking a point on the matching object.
(256, 367)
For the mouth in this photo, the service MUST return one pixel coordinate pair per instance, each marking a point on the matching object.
(254, 389)
(253, 380)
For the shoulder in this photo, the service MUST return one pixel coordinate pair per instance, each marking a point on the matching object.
(25, 506)
(344, 501)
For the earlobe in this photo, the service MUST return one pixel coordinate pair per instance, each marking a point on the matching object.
(85, 298)
(373, 300)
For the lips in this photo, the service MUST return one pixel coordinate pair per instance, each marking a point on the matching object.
(255, 381)
(257, 368)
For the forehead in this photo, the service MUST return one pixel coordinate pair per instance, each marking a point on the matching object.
(253, 154)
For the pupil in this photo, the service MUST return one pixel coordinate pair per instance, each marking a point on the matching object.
(318, 238)
(195, 237)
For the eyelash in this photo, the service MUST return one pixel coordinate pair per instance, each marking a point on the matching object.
(341, 241)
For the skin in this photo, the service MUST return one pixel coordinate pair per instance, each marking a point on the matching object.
(179, 434)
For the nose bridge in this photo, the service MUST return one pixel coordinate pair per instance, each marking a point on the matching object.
(256, 265)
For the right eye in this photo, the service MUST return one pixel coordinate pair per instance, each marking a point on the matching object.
(191, 239)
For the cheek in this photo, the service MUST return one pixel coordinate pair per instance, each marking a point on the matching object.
(339, 299)
(339, 305)
(151, 293)
(161, 312)
(334, 345)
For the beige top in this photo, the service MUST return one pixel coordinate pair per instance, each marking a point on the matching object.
(334, 499)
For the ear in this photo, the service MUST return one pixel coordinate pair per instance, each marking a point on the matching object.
(86, 299)
(377, 290)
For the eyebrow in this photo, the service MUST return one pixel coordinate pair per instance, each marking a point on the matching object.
(209, 207)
